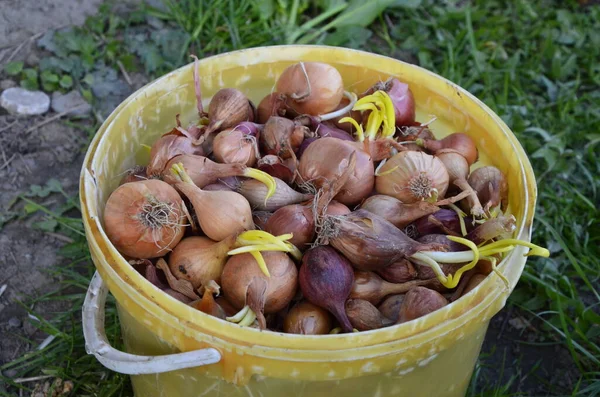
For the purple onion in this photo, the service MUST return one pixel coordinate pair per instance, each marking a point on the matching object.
(442, 221)
(402, 98)
(323, 129)
(326, 279)
(304, 145)
(443, 240)
(249, 128)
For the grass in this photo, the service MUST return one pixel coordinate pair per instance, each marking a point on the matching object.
(534, 63)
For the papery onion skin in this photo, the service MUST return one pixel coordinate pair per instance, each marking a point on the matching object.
(398, 272)
(395, 211)
(419, 302)
(166, 148)
(227, 108)
(271, 105)
(369, 241)
(364, 316)
(390, 307)
(202, 170)
(326, 279)
(200, 259)
(220, 213)
(459, 142)
(234, 146)
(296, 219)
(415, 179)
(491, 186)
(321, 94)
(144, 219)
(307, 319)
(325, 162)
(241, 269)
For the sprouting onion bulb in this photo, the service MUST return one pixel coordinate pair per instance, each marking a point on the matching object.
(144, 219)
(220, 213)
(245, 285)
(203, 171)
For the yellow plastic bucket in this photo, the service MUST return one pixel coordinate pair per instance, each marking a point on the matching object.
(431, 356)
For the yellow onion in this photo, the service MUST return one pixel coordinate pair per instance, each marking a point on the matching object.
(491, 186)
(235, 146)
(228, 107)
(200, 259)
(311, 87)
(144, 219)
(256, 192)
(220, 213)
(307, 319)
(364, 316)
(325, 161)
(244, 284)
(413, 176)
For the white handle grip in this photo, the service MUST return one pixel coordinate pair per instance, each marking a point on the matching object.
(125, 363)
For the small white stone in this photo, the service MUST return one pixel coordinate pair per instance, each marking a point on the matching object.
(28, 103)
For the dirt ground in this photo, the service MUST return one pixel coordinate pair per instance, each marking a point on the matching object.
(55, 151)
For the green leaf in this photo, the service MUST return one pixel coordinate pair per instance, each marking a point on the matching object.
(362, 13)
(48, 77)
(48, 225)
(30, 74)
(87, 95)
(350, 36)
(66, 82)
(266, 8)
(13, 68)
(88, 79)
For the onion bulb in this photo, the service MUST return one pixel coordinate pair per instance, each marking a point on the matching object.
(402, 98)
(307, 319)
(220, 213)
(144, 219)
(243, 283)
(235, 146)
(325, 162)
(364, 316)
(413, 176)
(311, 87)
(282, 137)
(372, 288)
(459, 142)
(200, 259)
(271, 105)
(228, 107)
(168, 147)
(458, 171)
(395, 211)
(491, 186)
(419, 302)
(326, 279)
(296, 219)
(256, 193)
(369, 241)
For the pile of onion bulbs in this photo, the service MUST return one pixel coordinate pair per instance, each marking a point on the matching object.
(318, 211)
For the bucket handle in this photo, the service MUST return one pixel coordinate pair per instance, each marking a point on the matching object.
(125, 363)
